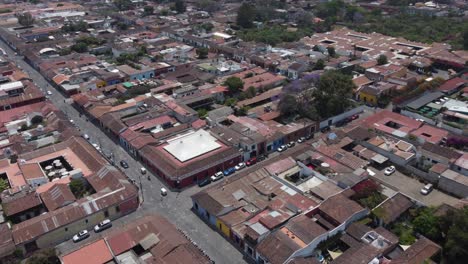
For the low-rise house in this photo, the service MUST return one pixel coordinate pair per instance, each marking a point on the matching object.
(159, 240)
(370, 94)
(132, 74)
(392, 208)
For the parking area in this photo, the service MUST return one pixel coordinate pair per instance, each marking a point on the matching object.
(412, 187)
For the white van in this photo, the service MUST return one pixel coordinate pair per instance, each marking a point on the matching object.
(143, 170)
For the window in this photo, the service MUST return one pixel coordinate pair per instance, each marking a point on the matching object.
(106, 213)
(117, 209)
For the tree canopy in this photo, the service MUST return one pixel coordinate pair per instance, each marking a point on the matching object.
(123, 5)
(179, 6)
(382, 60)
(246, 15)
(25, 19)
(234, 84)
(332, 93)
(202, 53)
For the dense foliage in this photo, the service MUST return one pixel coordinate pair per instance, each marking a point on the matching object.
(272, 35)
(234, 84)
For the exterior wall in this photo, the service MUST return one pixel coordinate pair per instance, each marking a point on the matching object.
(211, 219)
(453, 187)
(37, 181)
(68, 231)
(225, 230)
(142, 75)
(368, 98)
(334, 119)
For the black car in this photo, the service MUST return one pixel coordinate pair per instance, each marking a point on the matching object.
(124, 164)
(204, 182)
(325, 129)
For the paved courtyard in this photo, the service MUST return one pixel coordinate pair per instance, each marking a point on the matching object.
(412, 187)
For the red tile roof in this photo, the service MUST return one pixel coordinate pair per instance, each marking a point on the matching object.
(452, 84)
(94, 253)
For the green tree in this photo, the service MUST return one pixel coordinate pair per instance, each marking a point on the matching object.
(3, 185)
(207, 27)
(231, 101)
(79, 47)
(123, 5)
(454, 225)
(246, 15)
(45, 256)
(331, 51)
(77, 188)
(465, 39)
(148, 10)
(251, 92)
(382, 60)
(202, 112)
(202, 53)
(427, 223)
(179, 6)
(234, 84)
(208, 5)
(25, 19)
(319, 65)
(37, 119)
(288, 106)
(122, 26)
(333, 93)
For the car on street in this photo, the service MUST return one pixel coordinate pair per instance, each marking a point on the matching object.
(102, 225)
(218, 176)
(49, 93)
(282, 148)
(291, 144)
(124, 164)
(325, 129)
(85, 136)
(262, 158)
(427, 189)
(251, 161)
(96, 146)
(389, 170)
(204, 182)
(301, 139)
(83, 234)
(163, 191)
(229, 171)
(240, 166)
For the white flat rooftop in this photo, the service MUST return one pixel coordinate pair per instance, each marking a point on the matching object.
(191, 145)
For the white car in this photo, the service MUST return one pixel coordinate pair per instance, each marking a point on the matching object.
(49, 93)
(389, 170)
(300, 140)
(282, 148)
(96, 146)
(102, 225)
(83, 234)
(426, 189)
(240, 166)
(217, 176)
(85, 136)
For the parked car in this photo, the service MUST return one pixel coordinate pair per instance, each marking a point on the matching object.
(354, 117)
(217, 176)
(49, 93)
(163, 191)
(102, 225)
(309, 136)
(427, 189)
(96, 146)
(229, 171)
(204, 182)
(85, 136)
(291, 144)
(341, 123)
(325, 129)
(389, 170)
(124, 164)
(143, 170)
(282, 148)
(240, 166)
(251, 161)
(301, 139)
(262, 157)
(83, 234)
